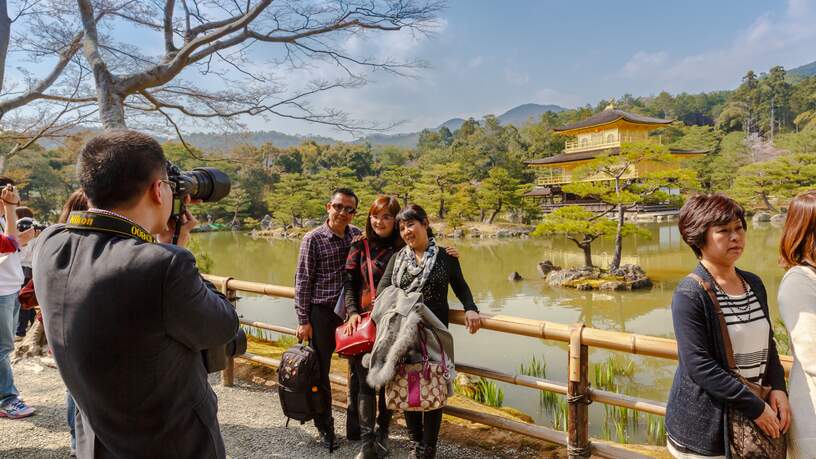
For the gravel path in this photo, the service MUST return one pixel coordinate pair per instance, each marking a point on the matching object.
(251, 420)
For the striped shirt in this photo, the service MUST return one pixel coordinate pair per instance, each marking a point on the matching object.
(320, 269)
(749, 330)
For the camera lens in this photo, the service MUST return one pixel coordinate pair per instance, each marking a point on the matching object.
(208, 184)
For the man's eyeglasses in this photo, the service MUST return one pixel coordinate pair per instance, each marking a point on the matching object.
(341, 208)
(171, 184)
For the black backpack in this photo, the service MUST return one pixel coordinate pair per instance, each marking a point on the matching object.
(299, 384)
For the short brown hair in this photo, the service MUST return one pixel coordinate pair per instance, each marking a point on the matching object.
(701, 212)
(24, 212)
(384, 203)
(798, 243)
(115, 167)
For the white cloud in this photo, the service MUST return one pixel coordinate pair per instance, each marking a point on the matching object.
(644, 61)
(772, 39)
(516, 78)
(476, 62)
(554, 96)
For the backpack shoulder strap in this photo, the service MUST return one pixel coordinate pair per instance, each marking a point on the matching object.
(729, 350)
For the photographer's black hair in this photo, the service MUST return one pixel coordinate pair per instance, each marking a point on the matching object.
(347, 192)
(6, 181)
(417, 213)
(115, 167)
(23, 212)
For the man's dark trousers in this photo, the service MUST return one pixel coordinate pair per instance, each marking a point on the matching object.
(324, 321)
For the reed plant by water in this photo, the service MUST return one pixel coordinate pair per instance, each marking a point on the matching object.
(483, 391)
(538, 369)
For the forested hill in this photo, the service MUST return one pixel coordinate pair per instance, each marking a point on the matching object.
(227, 141)
(516, 116)
(806, 70)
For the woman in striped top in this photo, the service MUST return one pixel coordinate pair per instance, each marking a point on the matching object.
(704, 387)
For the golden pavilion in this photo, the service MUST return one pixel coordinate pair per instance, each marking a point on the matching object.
(598, 134)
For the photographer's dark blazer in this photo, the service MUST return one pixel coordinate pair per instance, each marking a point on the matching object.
(127, 321)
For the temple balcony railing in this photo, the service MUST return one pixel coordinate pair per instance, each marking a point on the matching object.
(610, 141)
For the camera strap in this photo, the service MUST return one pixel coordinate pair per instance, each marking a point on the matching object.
(107, 223)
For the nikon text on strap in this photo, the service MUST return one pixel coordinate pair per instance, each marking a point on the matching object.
(95, 221)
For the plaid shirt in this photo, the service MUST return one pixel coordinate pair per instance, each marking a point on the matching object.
(320, 269)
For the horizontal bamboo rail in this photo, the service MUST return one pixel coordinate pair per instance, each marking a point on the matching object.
(605, 339)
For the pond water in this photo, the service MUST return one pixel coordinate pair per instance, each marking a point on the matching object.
(487, 264)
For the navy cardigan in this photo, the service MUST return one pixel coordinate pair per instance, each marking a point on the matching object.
(702, 388)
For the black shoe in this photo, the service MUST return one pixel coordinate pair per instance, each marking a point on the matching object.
(383, 445)
(328, 439)
(417, 451)
(367, 411)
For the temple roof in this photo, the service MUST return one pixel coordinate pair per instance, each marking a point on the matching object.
(611, 115)
(570, 157)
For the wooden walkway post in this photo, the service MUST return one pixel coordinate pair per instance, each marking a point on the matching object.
(228, 374)
(578, 446)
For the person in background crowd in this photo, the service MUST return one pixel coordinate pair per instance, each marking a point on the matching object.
(422, 265)
(383, 240)
(26, 315)
(797, 304)
(318, 285)
(703, 388)
(11, 279)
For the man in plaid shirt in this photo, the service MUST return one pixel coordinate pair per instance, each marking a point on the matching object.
(318, 284)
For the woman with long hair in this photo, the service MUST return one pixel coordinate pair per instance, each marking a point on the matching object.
(797, 304)
(707, 391)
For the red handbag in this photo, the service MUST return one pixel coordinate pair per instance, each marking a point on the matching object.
(362, 340)
(27, 297)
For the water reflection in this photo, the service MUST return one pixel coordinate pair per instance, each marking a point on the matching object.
(487, 264)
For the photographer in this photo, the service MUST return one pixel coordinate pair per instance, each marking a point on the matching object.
(11, 277)
(128, 318)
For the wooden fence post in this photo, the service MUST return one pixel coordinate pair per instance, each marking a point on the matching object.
(228, 374)
(578, 446)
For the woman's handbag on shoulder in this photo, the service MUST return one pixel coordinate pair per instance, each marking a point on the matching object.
(419, 386)
(746, 438)
(28, 297)
(362, 340)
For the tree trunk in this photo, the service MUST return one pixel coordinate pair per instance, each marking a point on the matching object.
(616, 259)
(111, 104)
(481, 215)
(441, 212)
(493, 215)
(767, 201)
(5, 38)
(3, 162)
(587, 246)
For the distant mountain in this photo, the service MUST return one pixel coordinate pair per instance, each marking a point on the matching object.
(212, 141)
(804, 70)
(527, 112)
(452, 124)
(407, 140)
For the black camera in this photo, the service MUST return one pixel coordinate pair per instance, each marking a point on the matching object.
(207, 184)
(25, 223)
(215, 358)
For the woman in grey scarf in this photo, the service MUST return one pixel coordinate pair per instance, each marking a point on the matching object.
(422, 266)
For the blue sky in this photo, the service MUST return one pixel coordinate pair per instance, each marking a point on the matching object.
(488, 56)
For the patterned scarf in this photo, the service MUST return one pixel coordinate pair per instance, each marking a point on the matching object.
(419, 272)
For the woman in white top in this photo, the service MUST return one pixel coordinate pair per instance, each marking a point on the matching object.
(797, 303)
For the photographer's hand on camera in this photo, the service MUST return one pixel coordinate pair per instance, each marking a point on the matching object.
(188, 222)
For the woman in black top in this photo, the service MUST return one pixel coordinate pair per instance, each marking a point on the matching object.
(383, 240)
(423, 427)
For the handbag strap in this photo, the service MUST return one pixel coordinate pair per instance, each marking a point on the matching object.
(729, 350)
(370, 270)
(424, 346)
